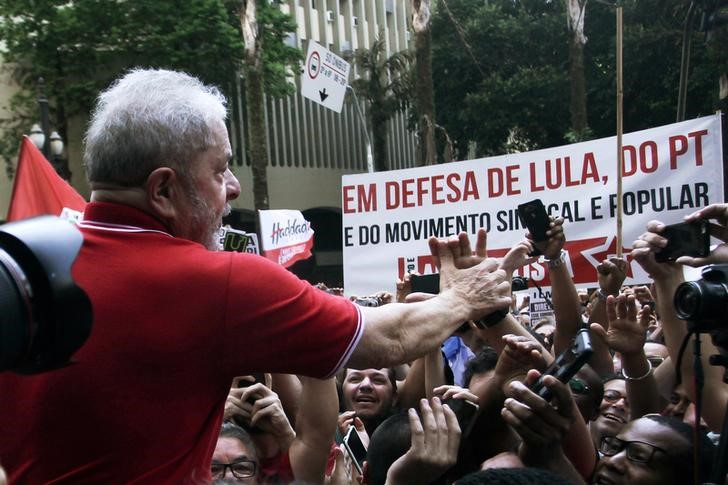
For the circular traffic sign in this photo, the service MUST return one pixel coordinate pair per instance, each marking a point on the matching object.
(313, 65)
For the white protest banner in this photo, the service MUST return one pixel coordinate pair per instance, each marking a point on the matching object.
(286, 237)
(668, 172)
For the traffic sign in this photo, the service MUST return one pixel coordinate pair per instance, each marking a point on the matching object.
(324, 78)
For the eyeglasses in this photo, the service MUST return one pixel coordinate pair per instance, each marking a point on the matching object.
(578, 386)
(637, 451)
(612, 396)
(239, 469)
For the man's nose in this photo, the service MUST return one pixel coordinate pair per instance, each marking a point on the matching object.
(616, 461)
(232, 185)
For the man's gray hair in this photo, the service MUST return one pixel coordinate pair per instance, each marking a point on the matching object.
(149, 119)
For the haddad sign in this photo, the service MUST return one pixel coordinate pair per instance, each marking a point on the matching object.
(668, 172)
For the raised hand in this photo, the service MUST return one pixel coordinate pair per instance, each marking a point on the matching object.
(482, 288)
(644, 249)
(627, 330)
(551, 248)
(518, 257)
(542, 426)
(611, 273)
(718, 212)
(434, 445)
(518, 356)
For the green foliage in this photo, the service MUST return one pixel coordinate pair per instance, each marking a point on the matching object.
(279, 59)
(516, 80)
(79, 47)
(386, 85)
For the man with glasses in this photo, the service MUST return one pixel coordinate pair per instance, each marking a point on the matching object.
(652, 450)
(235, 458)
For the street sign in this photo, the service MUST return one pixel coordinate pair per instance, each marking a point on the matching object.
(324, 77)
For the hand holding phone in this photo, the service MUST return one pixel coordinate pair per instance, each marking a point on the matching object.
(355, 448)
(567, 364)
(685, 239)
(466, 411)
(534, 217)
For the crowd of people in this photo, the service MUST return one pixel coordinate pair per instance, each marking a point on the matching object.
(213, 367)
(627, 416)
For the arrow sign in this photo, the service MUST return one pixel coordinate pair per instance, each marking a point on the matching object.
(324, 77)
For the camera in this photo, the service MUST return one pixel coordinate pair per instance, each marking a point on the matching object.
(44, 316)
(704, 302)
(519, 283)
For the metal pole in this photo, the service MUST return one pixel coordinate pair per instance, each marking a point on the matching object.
(620, 124)
(685, 62)
(45, 124)
(370, 158)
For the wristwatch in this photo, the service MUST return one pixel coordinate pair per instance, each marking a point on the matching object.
(492, 319)
(556, 262)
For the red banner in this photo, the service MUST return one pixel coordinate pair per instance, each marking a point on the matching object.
(38, 189)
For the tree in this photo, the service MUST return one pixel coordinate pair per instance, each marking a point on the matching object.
(79, 47)
(386, 85)
(512, 81)
(424, 91)
(575, 16)
(503, 75)
(267, 59)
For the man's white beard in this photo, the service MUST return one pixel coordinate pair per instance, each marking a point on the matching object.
(208, 222)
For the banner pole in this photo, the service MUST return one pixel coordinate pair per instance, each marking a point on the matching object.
(620, 118)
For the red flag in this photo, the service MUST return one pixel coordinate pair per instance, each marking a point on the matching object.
(38, 189)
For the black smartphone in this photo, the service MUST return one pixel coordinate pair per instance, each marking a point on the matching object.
(534, 217)
(259, 377)
(427, 283)
(466, 412)
(567, 364)
(355, 448)
(685, 239)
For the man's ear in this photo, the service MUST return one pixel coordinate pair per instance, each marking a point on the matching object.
(162, 189)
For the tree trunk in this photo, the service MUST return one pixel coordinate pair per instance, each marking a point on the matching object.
(576, 10)
(379, 140)
(255, 108)
(424, 91)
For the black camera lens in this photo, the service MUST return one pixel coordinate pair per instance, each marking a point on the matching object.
(44, 316)
(704, 302)
(519, 283)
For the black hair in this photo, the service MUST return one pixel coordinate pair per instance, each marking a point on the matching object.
(484, 361)
(612, 377)
(390, 441)
(682, 459)
(513, 476)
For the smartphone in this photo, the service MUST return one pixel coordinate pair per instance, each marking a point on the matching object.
(466, 412)
(567, 364)
(428, 283)
(534, 217)
(259, 377)
(355, 448)
(685, 239)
